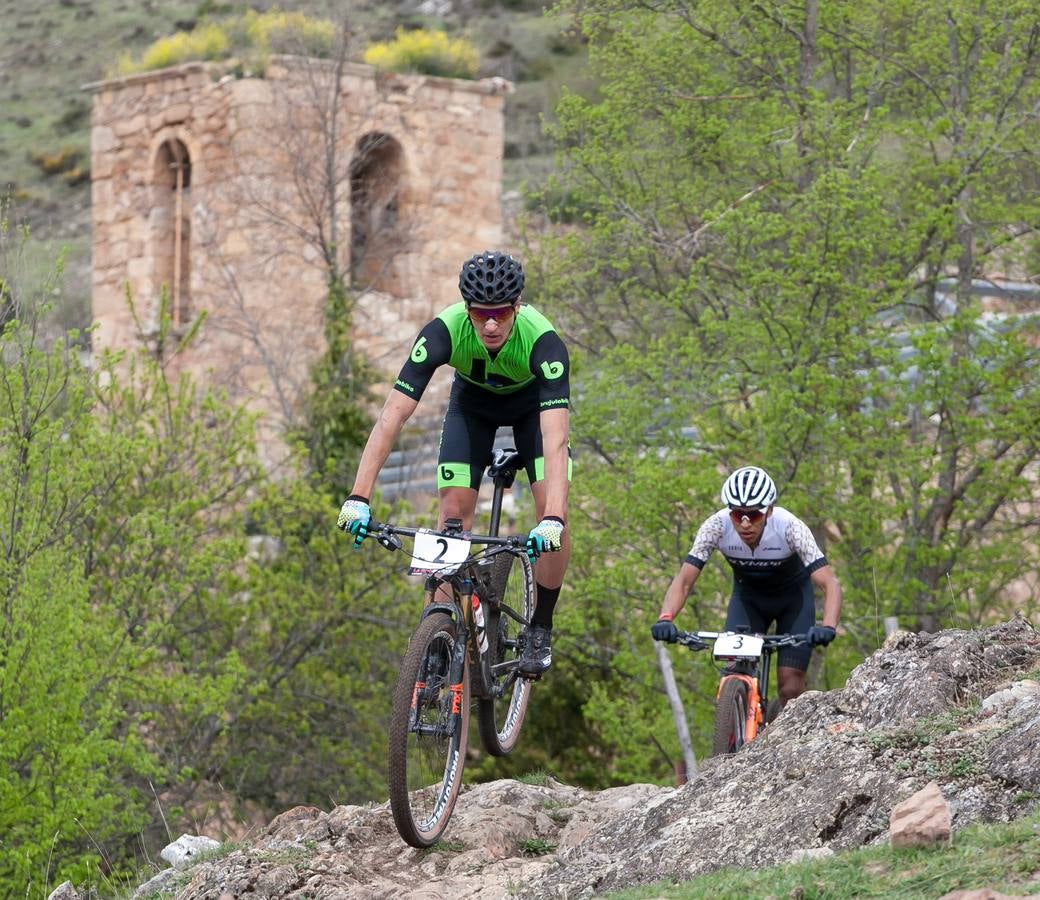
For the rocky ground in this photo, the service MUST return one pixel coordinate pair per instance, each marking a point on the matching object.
(961, 709)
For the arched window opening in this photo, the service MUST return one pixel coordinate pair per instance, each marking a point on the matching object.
(375, 192)
(172, 226)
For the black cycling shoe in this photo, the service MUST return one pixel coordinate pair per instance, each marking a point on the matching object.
(537, 656)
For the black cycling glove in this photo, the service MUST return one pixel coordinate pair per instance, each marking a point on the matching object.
(821, 635)
(665, 630)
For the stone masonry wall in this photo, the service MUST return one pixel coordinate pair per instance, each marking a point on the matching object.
(252, 213)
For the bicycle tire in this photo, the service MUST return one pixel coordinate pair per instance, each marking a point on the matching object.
(425, 766)
(731, 711)
(501, 716)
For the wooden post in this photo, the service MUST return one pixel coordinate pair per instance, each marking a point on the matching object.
(664, 662)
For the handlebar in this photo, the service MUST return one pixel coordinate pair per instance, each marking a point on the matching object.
(389, 536)
(698, 640)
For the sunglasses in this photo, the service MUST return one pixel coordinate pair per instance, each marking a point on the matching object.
(498, 313)
(753, 515)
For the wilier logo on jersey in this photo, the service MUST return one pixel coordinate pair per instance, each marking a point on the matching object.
(552, 370)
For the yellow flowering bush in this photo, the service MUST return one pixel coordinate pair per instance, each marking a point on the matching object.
(207, 41)
(252, 37)
(425, 51)
(277, 31)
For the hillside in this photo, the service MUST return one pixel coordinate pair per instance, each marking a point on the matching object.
(924, 708)
(60, 45)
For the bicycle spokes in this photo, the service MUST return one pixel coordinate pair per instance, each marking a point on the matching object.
(501, 715)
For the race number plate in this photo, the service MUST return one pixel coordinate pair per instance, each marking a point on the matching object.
(737, 646)
(435, 554)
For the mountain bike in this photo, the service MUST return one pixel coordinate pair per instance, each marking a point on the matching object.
(742, 704)
(469, 641)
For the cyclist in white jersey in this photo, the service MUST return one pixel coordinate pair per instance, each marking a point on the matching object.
(775, 561)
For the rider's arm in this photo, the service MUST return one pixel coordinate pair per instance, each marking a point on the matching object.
(801, 539)
(396, 411)
(825, 579)
(704, 544)
(550, 365)
(555, 425)
(679, 590)
(432, 348)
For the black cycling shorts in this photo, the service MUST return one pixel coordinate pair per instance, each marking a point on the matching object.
(793, 609)
(468, 433)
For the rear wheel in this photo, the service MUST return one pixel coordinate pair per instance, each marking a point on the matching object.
(730, 717)
(429, 723)
(501, 716)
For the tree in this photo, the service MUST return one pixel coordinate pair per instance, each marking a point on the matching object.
(112, 501)
(786, 211)
(150, 647)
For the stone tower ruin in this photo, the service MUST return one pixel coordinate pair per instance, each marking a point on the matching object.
(236, 196)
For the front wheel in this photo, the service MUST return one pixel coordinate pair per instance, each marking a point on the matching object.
(731, 711)
(429, 725)
(501, 716)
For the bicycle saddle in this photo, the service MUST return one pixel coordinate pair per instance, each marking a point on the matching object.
(503, 461)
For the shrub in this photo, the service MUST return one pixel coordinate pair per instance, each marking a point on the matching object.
(427, 52)
(290, 32)
(252, 36)
(64, 160)
(205, 41)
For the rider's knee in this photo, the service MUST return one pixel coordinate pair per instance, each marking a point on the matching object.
(791, 684)
(457, 503)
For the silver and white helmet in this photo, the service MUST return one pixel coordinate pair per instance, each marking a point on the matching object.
(749, 488)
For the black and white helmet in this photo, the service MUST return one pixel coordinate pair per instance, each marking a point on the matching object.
(749, 488)
(491, 278)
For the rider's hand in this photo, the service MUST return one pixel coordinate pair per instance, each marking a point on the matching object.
(821, 635)
(546, 535)
(354, 517)
(665, 630)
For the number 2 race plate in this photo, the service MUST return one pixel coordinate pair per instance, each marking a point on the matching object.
(435, 554)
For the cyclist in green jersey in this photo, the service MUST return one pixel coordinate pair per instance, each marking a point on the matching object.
(511, 369)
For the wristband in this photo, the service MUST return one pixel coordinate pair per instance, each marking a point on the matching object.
(665, 617)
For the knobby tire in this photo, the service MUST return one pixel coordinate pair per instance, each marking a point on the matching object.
(731, 711)
(501, 716)
(425, 770)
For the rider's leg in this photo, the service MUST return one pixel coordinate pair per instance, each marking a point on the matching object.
(457, 503)
(792, 663)
(791, 683)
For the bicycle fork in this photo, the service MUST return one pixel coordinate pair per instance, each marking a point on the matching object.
(754, 718)
(453, 679)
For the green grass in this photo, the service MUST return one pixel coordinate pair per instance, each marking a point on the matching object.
(1003, 857)
(537, 847)
(49, 52)
(539, 778)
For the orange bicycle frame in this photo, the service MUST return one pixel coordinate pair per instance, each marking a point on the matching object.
(754, 709)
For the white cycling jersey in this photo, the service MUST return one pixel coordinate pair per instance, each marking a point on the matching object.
(786, 553)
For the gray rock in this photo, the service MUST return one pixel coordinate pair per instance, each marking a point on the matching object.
(184, 851)
(824, 778)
